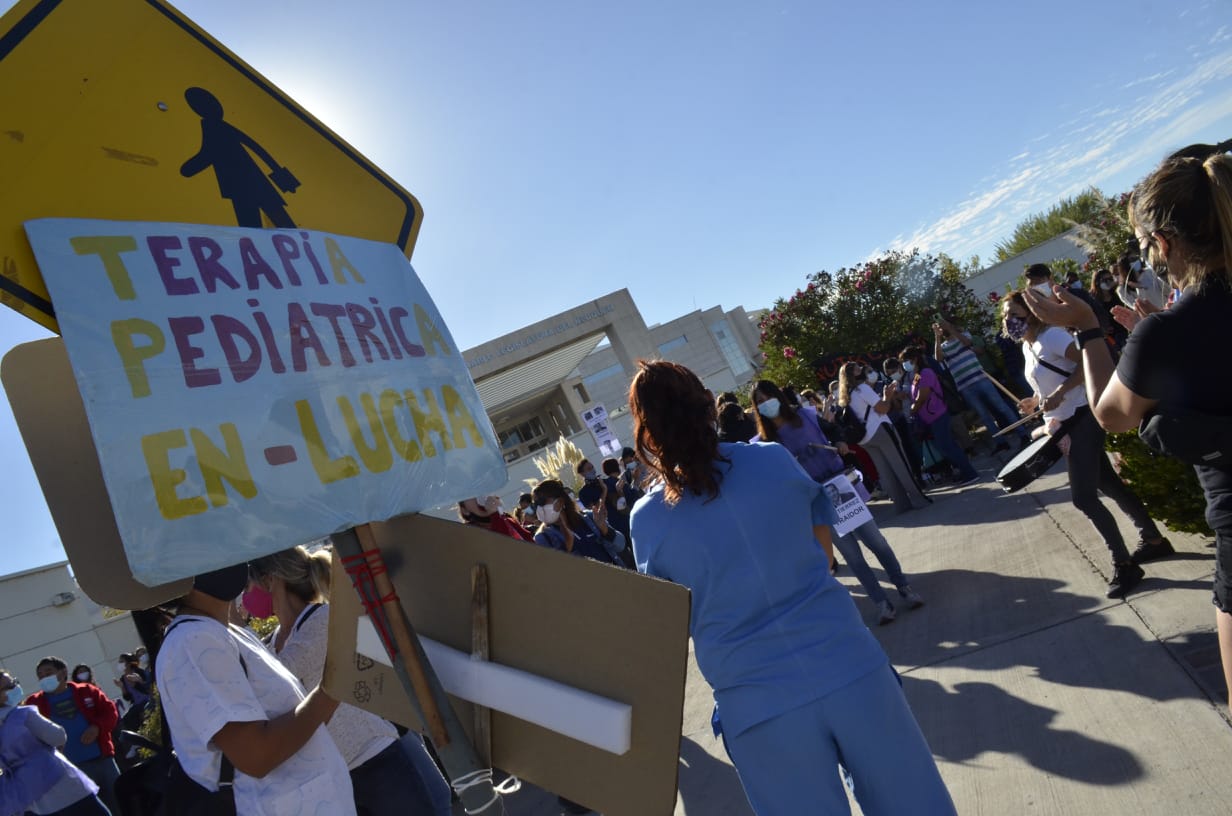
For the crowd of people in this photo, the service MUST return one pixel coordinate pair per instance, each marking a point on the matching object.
(740, 501)
(68, 735)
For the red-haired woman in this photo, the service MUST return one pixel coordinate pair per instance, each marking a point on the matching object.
(799, 681)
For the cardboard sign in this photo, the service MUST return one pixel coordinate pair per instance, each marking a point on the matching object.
(851, 509)
(593, 627)
(257, 389)
(127, 110)
(597, 422)
(38, 380)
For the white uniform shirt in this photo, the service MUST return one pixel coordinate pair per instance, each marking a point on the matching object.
(203, 687)
(1050, 347)
(862, 399)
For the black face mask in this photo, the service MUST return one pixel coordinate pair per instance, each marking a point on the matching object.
(225, 584)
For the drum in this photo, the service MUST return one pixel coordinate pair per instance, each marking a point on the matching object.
(1031, 463)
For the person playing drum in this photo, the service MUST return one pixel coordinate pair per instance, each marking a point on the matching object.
(1053, 367)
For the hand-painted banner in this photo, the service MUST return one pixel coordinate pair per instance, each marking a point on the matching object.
(251, 389)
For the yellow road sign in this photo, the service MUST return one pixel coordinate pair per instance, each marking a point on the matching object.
(127, 110)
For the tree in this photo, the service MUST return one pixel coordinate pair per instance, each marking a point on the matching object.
(875, 307)
(1061, 217)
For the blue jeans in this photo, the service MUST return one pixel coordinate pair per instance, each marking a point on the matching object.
(944, 440)
(871, 536)
(985, 399)
(389, 784)
(438, 787)
(788, 764)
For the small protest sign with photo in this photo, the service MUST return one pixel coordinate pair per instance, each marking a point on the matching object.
(851, 509)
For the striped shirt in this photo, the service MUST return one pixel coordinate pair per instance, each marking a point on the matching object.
(962, 363)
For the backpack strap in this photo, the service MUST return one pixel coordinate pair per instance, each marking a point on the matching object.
(226, 773)
(1053, 368)
(304, 618)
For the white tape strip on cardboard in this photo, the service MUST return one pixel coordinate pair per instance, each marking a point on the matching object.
(586, 717)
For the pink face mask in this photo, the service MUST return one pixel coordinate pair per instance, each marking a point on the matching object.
(258, 602)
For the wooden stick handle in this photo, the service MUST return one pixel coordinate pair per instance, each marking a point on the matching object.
(1004, 390)
(404, 637)
(1022, 421)
(480, 650)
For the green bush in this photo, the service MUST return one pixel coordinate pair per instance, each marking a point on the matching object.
(1168, 487)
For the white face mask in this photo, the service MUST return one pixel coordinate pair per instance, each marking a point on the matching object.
(908, 366)
(548, 514)
(769, 409)
(897, 376)
(82, 677)
(872, 377)
(144, 660)
(630, 467)
(1107, 286)
(1044, 289)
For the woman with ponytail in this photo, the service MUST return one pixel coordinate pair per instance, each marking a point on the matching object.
(247, 737)
(799, 682)
(387, 776)
(1172, 379)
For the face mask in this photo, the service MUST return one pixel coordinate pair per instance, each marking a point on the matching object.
(258, 602)
(1044, 289)
(908, 366)
(144, 660)
(548, 513)
(1107, 286)
(589, 475)
(1076, 285)
(15, 695)
(897, 376)
(82, 677)
(492, 504)
(872, 377)
(769, 409)
(631, 466)
(50, 684)
(225, 584)
(1016, 327)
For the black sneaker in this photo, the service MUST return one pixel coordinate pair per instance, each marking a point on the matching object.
(1124, 578)
(1152, 552)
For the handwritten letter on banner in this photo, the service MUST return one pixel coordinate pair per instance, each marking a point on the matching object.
(250, 389)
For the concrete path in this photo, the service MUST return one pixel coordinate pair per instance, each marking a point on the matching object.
(1037, 694)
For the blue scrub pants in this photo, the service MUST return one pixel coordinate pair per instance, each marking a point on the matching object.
(849, 546)
(788, 765)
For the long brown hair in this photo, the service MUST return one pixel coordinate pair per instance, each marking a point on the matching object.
(673, 429)
(766, 428)
(1189, 200)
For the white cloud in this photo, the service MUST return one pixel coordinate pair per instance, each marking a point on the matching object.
(1130, 135)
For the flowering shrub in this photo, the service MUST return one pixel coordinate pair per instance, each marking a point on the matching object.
(874, 306)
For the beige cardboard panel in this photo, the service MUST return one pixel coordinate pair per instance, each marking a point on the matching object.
(598, 628)
(52, 419)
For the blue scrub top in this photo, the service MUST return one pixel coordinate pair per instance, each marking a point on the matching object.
(772, 630)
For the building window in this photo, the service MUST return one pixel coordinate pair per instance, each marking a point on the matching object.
(736, 360)
(674, 343)
(602, 374)
(520, 434)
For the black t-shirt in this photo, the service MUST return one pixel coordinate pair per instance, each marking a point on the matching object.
(1180, 358)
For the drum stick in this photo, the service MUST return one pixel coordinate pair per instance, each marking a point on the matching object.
(1022, 421)
(1004, 390)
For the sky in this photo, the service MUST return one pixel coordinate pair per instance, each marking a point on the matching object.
(708, 153)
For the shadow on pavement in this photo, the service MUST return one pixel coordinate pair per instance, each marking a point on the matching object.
(974, 613)
(709, 785)
(976, 718)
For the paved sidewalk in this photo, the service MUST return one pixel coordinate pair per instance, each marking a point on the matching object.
(1037, 694)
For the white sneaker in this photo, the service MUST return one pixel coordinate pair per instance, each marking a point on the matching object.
(886, 610)
(914, 599)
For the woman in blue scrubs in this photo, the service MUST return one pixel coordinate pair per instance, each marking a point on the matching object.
(801, 685)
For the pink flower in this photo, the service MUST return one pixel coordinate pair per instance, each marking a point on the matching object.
(789, 352)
